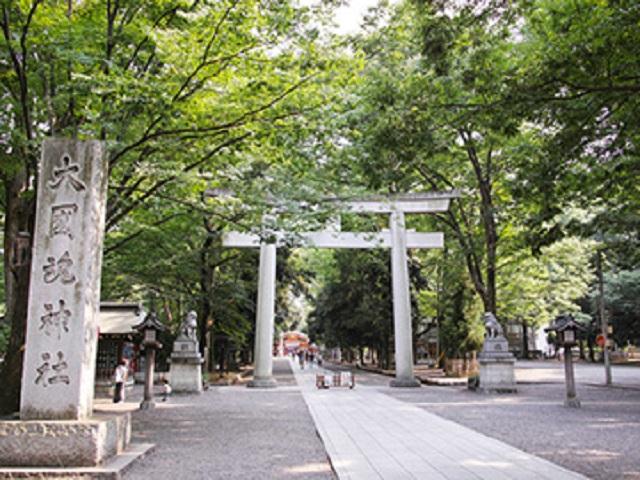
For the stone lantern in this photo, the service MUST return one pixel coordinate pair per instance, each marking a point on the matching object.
(149, 328)
(566, 329)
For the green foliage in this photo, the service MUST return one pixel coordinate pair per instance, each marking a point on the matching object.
(442, 106)
(188, 96)
(354, 308)
(578, 84)
(461, 329)
(622, 301)
(529, 109)
(535, 289)
(352, 298)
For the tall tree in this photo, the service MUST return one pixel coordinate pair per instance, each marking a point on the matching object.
(429, 116)
(169, 85)
(579, 87)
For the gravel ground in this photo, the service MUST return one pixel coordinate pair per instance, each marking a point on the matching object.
(600, 440)
(231, 433)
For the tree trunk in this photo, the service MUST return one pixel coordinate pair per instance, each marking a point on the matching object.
(491, 243)
(18, 231)
(206, 289)
(229, 359)
(525, 340)
(592, 352)
(484, 179)
(221, 357)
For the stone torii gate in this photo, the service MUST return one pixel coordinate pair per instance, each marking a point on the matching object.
(397, 238)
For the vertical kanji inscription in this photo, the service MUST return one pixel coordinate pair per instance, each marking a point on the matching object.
(67, 173)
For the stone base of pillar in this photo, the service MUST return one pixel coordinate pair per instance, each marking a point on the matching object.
(186, 375)
(63, 443)
(262, 382)
(186, 365)
(147, 405)
(405, 383)
(572, 403)
(497, 374)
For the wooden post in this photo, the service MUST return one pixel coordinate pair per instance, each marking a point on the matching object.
(150, 362)
(604, 324)
(572, 400)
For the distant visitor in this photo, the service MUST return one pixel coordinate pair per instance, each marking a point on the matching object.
(119, 378)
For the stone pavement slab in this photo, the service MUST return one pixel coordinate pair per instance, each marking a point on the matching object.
(598, 440)
(370, 435)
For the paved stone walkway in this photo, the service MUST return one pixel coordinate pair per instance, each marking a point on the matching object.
(599, 440)
(370, 435)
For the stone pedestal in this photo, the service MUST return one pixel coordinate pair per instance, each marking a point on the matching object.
(186, 366)
(69, 443)
(496, 367)
(97, 447)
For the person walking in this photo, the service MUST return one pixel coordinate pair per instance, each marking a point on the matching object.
(119, 378)
(312, 359)
(166, 389)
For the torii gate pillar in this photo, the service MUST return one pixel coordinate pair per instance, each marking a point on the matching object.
(263, 361)
(401, 304)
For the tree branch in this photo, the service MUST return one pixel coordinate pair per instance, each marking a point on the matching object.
(219, 128)
(136, 234)
(115, 217)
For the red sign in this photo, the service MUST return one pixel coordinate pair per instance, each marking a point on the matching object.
(600, 340)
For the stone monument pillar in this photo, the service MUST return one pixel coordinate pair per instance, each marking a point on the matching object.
(186, 362)
(64, 295)
(496, 361)
(56, 427)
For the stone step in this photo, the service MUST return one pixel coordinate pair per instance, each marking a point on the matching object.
(445, 381)
(418, 371)
(429, 372)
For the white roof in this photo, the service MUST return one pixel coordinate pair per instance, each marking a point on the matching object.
(119, 318)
